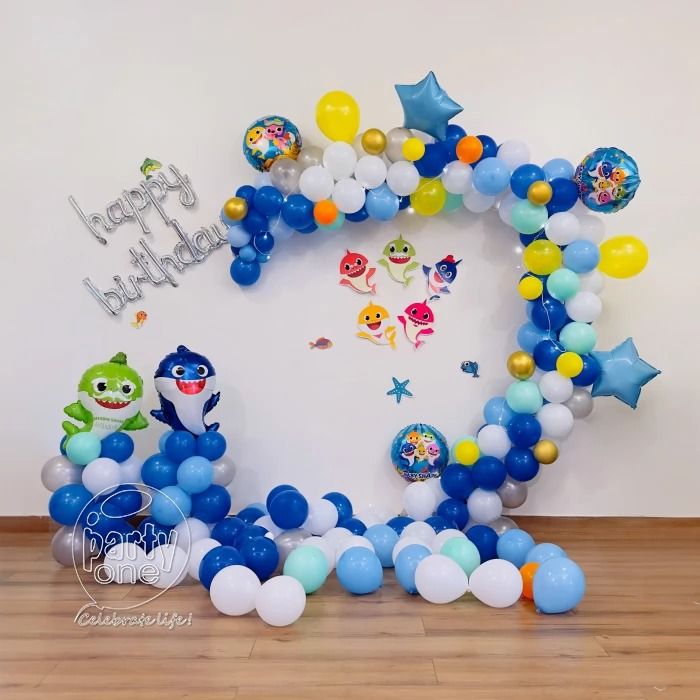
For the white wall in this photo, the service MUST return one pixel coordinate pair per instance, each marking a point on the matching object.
(93, 88)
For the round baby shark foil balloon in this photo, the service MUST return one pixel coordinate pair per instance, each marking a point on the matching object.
(419, 452)
(270, 138)
(607, 180)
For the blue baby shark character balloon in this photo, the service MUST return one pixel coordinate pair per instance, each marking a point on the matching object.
(441, 276)
(607, 180)
(185, 382)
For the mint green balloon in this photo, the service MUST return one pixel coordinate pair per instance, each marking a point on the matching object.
(524, 397)
(338, 223)
(464, 552)
(563, 283)
(82, 448)
(309, 566)
(527, 217)
(578, 337)
(453, 202)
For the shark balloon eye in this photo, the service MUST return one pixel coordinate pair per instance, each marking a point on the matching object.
(178, 371)
(392, 249)
(358, 261)
(414, 311)
(404, 249)
(347, 267)
(99, 384)
(127, 388)
(377, 315)
(426, 316)
(367, 318)
(202, 370)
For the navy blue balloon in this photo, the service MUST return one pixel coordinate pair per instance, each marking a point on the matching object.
(62, 445)
(228, 530)
(308, 229)
(104, 524)
(268, 200)
(298, 211)
(158, 471)
(255, 223)
(264, 243)
(564, 195)
(523, 176)
(245, 273)
(355, 525)
(485, 540)
(527, 238)
(289, 509)
(211, 505)
(127, 499)
(152, 534)
(590, 372)
(117, 446)
(180, 445)
(277, 489)
(211, 445)
(215, 560)
(248, 533)
(246, 192)
(404, 203)
(438, 523)
(490, 147)
(260, 554)
(489, 473)
(454, 511)
(263, 258)
(360, 215)
(342, 504)
(524, 430)
(452, 137)
(251, 514)
(457, 481)
(546, 353)
(67, 502)
(398, 523)
(521, 464)
(549, 314)
(433, 161)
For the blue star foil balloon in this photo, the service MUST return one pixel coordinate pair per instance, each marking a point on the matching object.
(419, 452)
(270, 138)
(427, 107)
(607, 180)
(623, 373)
(399, 389)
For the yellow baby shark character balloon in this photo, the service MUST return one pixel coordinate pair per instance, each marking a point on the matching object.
(373, 324)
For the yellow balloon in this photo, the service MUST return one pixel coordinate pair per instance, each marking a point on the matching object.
(542, 257)
(530, 287)
(466, 452)
(521, 364)
(338, 116)
(413, 149)
(429, 198)
(569, 364)
(539, 192)
(623, 256)
(545, 451)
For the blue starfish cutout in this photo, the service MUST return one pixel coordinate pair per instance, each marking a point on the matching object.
(623, 373)
(427, 107)
(399, 389)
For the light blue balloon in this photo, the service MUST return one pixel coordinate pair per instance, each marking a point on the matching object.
(491, 176)
(514, 545)
(383, 539)
(558, 586)
(248, 253)
(524, 397)
(381, 203)
(541, 553)
(195, 474)
(406, 564)
(237, 237)
(228, 222)
(581, 256)
(170, 505)
(497, 412)
(359, 571)
(558, 167)
(82, 448)
(529, 335)
(162, 440)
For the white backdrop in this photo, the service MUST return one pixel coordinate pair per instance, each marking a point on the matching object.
(90, 89)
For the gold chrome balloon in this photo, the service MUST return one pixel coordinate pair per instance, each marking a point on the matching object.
(521, 364)
(539, 192)
(374, 141)
(235, 208)
(545, 451)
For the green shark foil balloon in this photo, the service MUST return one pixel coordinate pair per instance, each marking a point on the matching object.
(109, 399)
(399, 260)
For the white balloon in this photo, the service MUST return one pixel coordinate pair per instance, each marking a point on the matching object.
(405, 542)
(266, 522)
(323, 515)
(440, 579)
(419, 500)
(456, 177)
(370, 171)
(476, 202)
(592, 227)
(562, 228)
(335, 536)
(339, 159)
(493, 441)
(514, 153)
(349, 195)
(419, 529)
(224, 469)
(593, 281)
(189, 531)
(101, 476)
(484, 506)
(130, 470)
(171, 563)
(557, 420)
(555, 387)
(262, 180)
(281, 232)
(316, 183)
(124, 562)
(280, 601)
(435, 485)
(443, 536)
(584, 307)
(402, 178)
(496, 583)
(350, 542)
(505, 208)
(234, 590)
(369, 516)
(357, 146)
(197, 552)
(325, 547)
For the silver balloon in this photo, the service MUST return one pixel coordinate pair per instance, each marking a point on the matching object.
(502, 524)
(310, 155)
(285, 174)
(224, 471)
(288, 541)
(68, 545)
(394, 143)
(513, 493)
(59, 471)
(580, 403)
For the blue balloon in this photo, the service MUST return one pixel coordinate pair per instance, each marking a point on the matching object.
(438, 523)
(248, 253)
(546, 353)
(245, 273)
(590, 372)
(260, 554)
(268, 200)
(255, 223)
(127, 499)
(246, 192)
(228, 530)
(541, 553)
(491, 176)
(404, 202)
(355, 525)
(521, 464)
(523, 176)
(105, 526)
(383, 539)
(250, 514)
(399, 523)
(212, 445)
(277, 490)
(457, 482)
(341, 503)
(514, 545)
(62, 445)
(381, 203)
(527, 238)
(489, 145)
(117, 446)
(558, 168)
(308, 229)
(558, 586)
(152, 534)
(263, 258)
(359, 571)
(406, 564)
(158, 471)
(195, 474)
(564, 195)
(248, 533)
(67, 502)
(361, 214)
(264, 243)
(529, 335)
(288, 509)
(453, 135)
(489, 473)
(298, 211)
(433, 161)
(180, 445)
(171, 505)
(260, 506)
(162, 439)
(485, 539)
(581, 256)
(211, 505)
(548, 314)
(524, 430)
(454, 511)
(215, 560)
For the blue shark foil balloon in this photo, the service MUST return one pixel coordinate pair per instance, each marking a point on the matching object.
(268, 139)
(185, 382)
(419, 452)
(607, 180)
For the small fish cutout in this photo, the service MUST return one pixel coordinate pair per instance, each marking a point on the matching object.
(150, 166)
(355, 273)
(399, 260)
(441, 276)
(418, 322)
(470, 367)
(141, 317)
(321, 344)
(373, 324)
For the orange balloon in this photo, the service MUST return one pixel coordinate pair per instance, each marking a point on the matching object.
(325, 212)
(469, 149)
(527, 571)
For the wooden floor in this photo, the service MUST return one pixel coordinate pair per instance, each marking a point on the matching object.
(635, 636)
